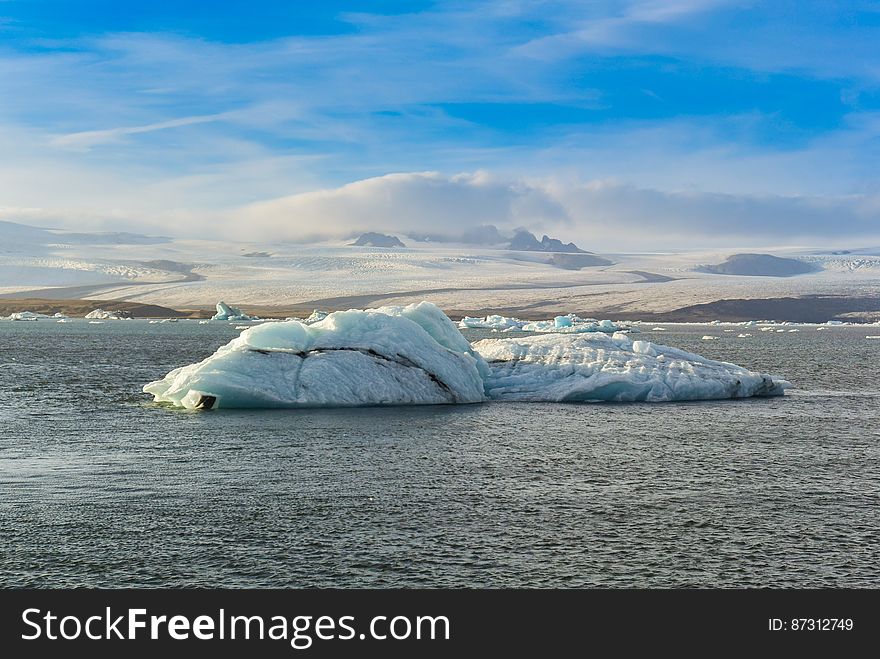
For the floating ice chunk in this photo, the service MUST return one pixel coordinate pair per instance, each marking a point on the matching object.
(598, 367)
(388, 356)
(569, 323)
(416, 355)
(743, 336)
(204, 322)
(872, 336)
(495, 322)
(315, 317)
(658, 329)
(710, 338)
(576, 325)
(26, 316)
(225, 312)
(100, 314)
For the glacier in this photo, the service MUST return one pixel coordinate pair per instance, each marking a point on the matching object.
(416, 355)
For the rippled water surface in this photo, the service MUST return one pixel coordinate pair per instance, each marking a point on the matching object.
(98, 487)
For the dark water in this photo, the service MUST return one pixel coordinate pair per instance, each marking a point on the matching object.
(100, 488)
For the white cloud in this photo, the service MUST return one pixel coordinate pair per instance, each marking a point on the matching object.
(599, 214)
(86, 139)
(423, 201)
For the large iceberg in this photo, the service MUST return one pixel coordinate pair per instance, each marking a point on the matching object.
(390, 356)
(416, 355)
(226, 312)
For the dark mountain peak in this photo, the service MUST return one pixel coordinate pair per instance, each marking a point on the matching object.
(373, 239)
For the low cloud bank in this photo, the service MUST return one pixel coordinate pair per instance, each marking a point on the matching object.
(603, 214)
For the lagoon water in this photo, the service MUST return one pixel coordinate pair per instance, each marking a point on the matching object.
(101, 488)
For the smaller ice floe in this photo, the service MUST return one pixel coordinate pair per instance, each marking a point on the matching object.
(493, 322)
(568, 324)
(658, 329)
(101, 314)
(204, 322)
(743, 336)
(572, 324)
(26, 316)
(710, 338)
(599, 367)
(315, 317)
(226, 312)
(96, 322)
(793, 330)
(873, 336)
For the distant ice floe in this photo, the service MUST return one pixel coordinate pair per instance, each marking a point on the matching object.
(569, 324)
(100, 314)
(226, 312)
(26, 316)
(416, 355)
(32, 316)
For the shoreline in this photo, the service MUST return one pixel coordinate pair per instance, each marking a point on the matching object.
(813, 309)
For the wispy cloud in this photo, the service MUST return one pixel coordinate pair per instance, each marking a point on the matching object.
(91, 138)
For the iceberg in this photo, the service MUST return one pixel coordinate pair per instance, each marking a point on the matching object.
(493, 322)
(225, 312)
(416, 355)
(572, 324)
(100, 314)
(569, 323)
(599, 367)
(26, 315)
(389, 356)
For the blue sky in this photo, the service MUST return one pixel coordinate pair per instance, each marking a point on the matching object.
(570, 116)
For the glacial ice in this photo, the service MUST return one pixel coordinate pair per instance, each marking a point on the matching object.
(100, 314)
(226, 312)
(26, 315)
(416, 355)
(389, 356)
(599, 367)
(568, 324)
